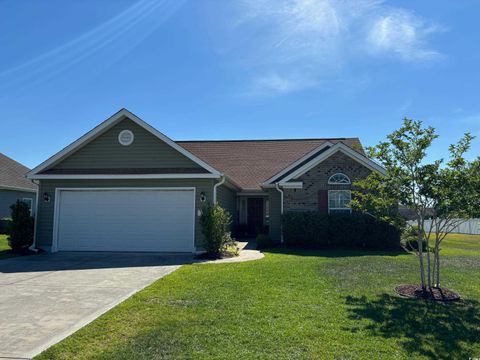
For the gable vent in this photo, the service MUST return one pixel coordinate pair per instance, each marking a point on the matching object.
(125, 137)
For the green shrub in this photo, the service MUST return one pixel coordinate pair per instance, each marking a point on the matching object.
(347, 230)
(381, 235)
(265, 241)
(315, 230)
(410, 239)
(305, 229)
(20, 232)
(412, 245)
(5, 225)
(410, 233)
(215, 223)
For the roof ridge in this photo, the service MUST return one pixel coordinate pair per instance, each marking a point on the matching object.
(265, 140)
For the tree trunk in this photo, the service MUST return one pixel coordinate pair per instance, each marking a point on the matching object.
(429, 272)
(420, 255)
(434, 268)
(437, 281)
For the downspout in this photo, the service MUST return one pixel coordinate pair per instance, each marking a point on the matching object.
(277, 186)
(33, 247)
(221, 182)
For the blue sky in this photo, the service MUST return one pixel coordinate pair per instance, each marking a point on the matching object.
(210, 69)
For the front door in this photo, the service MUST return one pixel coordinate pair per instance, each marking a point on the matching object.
(254, 215)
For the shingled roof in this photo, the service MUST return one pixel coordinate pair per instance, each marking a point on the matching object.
(251, 162)
(12, 175)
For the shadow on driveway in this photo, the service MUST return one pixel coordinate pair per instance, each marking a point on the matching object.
(91, 260)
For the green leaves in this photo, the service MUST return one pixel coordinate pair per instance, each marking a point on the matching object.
(446, 193)
(22, 226)
(215, 222)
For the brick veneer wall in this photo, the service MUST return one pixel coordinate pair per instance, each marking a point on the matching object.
(316, 179)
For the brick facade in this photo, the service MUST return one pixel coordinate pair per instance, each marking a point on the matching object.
(316, 179)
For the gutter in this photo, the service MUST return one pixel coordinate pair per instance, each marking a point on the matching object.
(277, 186)
(221, 182)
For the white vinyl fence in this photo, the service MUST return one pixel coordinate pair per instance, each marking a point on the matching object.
(471, 227)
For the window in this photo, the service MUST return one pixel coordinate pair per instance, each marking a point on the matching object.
(243, 211)
(267, 211)
(29, 202)
(339, 179)
(338, 201)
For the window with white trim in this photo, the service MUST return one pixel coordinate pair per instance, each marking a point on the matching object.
(338, 201)
(339, 179)
(29, 202)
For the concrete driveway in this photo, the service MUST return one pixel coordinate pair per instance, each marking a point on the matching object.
(45, 298)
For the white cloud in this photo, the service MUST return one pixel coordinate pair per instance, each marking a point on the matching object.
(275, 84)
(284, 42)
(401, 34)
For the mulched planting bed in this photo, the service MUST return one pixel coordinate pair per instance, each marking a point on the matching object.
(433, 293)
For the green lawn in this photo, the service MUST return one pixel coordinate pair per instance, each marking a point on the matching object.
(5, 251)
(292, 305)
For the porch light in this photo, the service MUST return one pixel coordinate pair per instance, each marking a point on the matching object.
(203, 197)
(46, 197)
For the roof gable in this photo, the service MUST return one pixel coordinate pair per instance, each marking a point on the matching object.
(304, 159)
(317, 159)
(105, 152)
(100, 149)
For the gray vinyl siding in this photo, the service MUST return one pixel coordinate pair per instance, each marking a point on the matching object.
(10, 197)
(45, 215)
(228, 200)
(146, 151)
(275, 214)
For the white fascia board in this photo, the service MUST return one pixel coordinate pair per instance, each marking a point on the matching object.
(291, 185)
(297, 162)
(126, 176)
(107, 124)
(335, 148)
(286, 185)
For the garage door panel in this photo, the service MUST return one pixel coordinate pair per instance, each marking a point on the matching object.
(126, 220)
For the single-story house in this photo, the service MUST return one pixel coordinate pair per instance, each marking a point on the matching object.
(14, 186)
(125, 186)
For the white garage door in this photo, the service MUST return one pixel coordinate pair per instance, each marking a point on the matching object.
(125, 220)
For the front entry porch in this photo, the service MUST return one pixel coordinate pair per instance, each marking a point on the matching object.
(252, 216)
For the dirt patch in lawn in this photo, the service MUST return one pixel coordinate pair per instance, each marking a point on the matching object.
(415, 291)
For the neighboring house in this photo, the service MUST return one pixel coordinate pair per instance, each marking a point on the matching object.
(124, 186)
(14, 186)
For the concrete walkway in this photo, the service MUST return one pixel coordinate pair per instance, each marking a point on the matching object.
(247, 253)
(45, 298)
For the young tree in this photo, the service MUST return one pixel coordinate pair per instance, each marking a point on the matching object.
(21, 228)
(447, 194)
(455, 193)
